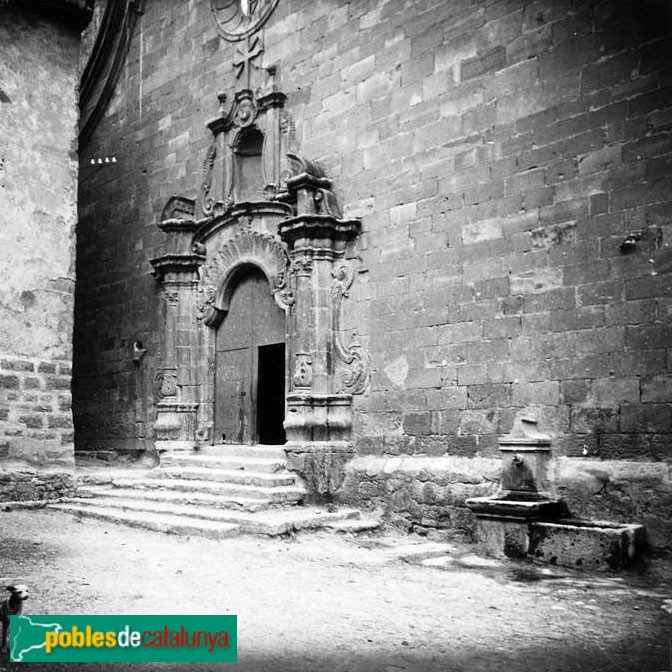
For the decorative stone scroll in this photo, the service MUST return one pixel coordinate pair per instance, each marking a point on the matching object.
(353, 367)
(248, 247)
(206, 180)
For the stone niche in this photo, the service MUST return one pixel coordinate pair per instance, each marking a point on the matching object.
(268, 217)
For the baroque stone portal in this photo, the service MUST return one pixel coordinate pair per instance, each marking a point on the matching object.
(265, 217)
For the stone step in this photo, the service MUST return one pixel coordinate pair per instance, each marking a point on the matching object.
(265, 465)
(270, 522)
(230, 450)
(149, 520)
(109, 476)
(354, 525)
(238, 477)
(276, 494)
(214, 501)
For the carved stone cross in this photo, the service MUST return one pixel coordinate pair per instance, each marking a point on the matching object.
(243, 60)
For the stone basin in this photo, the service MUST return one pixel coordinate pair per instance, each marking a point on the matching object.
(521, 506)
(586, 544)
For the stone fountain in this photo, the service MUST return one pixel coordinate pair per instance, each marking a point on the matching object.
(525, 519)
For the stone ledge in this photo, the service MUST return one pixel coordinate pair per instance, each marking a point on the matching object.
(448, 468)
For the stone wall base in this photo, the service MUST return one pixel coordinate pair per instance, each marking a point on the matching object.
(23, 483)
(423, 493)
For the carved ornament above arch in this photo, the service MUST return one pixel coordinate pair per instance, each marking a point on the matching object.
(219, 275)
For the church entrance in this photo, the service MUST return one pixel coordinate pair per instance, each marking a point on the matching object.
(250, 366)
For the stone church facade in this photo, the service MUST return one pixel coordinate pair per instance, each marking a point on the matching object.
(376, 232)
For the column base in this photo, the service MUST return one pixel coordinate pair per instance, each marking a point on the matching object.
(321, 465)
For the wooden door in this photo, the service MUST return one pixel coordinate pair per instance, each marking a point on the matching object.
(253, 322)
(234, 395)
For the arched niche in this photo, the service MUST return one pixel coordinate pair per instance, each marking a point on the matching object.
(249, 180)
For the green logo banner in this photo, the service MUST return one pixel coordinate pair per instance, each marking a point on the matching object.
(155, 639)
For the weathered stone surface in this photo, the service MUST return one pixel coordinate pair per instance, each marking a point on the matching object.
(38, 174)
(19, 483)
(502, 539)
(38, 188)
(420, 492)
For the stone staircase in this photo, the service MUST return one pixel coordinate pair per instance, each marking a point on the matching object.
(219, 492)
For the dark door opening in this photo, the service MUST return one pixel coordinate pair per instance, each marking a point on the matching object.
(271, 394)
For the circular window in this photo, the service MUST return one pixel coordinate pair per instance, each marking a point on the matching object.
(237, 19)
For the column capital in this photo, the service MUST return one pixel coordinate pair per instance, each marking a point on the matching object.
(177, 269)
(318, 231)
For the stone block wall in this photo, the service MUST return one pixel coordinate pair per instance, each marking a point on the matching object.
(511, 165)
(38, 193)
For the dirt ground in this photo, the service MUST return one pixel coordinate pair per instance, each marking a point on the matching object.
(321, 601)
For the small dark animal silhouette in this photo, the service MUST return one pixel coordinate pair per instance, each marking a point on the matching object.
(11, 606)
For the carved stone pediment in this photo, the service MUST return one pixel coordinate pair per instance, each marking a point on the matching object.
(252, 137)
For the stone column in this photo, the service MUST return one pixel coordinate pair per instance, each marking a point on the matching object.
(319, 415)
(175, 383)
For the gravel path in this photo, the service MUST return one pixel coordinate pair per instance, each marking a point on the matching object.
(328, 602)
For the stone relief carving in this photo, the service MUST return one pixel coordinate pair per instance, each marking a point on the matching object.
(165, 383)
(288, 126)
(353, 367)
(303, 370)
(247, 246)
(302, 266)
(172, 296)
(206, 183)
(244, 111)
(245, 57)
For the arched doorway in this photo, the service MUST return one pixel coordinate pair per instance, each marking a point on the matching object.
(250, 365)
